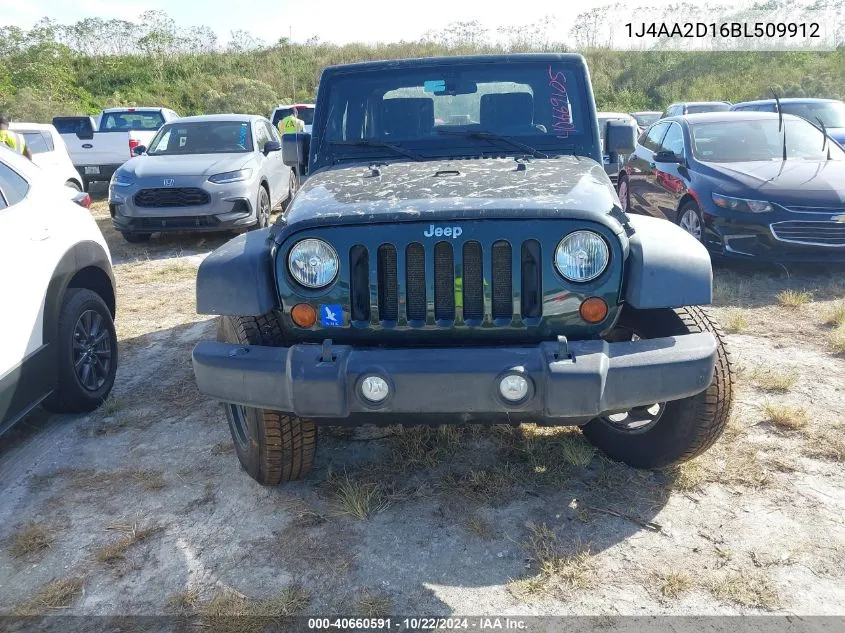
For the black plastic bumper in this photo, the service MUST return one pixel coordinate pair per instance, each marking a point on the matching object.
(596, 378)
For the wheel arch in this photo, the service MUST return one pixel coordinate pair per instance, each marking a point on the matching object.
(687, 197)
(77, 182)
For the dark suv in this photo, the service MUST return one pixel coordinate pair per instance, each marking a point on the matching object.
(457, 254)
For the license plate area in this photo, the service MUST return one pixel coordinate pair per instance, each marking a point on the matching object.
(92, 170)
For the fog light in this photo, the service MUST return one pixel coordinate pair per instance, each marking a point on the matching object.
(374, 389)
(513, 387)
(303, 315)
(593, 310)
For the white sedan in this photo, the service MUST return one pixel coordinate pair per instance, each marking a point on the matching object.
(49, 152)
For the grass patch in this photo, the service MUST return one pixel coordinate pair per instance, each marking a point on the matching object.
(31, 540)
(734, 321)
(483, 485)
(58, 594)
(479, 528)
(836, 340)
(747, 588)
(558, 571)
(835, 316)
(158, 271)
(422, 447)
(794, 298)
(370, 605)
(772, 380)
(689, 476)
(673, 583)
(184, 602)
(149, 480)
(233, 612)
(786, 417)
(357, 498)
(132, 535)
(831, 448)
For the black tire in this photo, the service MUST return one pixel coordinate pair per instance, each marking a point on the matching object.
(623, 189)
(263, 210)
(273, 447)
(136, 238)
(689, 216)
(73, 185)
(686, 428)
(77, 391)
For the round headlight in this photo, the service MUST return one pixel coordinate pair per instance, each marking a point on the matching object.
(581, 256)
(313, 263)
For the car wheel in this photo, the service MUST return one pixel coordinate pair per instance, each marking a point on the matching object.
(136, 238)
(273, 447)
(624, 194)
(86, 350)
(73, 185)
(262, 213)
(666, 433)
(689, 219)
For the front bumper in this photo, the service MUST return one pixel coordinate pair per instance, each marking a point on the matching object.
(569, 383)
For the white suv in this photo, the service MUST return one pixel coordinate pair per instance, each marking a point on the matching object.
(58, 295)
(49, 152)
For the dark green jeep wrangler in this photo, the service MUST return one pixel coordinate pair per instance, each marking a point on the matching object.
(457, 254)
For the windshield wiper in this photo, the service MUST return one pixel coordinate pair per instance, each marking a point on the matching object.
(781, 125)
(364, 142)
(492, 136)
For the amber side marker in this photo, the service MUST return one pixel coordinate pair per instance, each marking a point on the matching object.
(303, 315)
(593, 309)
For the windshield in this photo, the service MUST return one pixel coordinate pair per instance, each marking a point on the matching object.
(306, 115)
(440, 111)
(129, 120)
(831, 113)
(202, 137)
(760, 140)
(644, 120)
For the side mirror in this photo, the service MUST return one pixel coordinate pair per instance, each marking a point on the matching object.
(620, 137)
(667, 157)
(139, 149)
(272, 146)
(295, 149)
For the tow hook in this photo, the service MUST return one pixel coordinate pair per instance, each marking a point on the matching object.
(563, 352)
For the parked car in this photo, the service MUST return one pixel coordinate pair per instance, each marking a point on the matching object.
(695, 107)
(461, 273)
(99, 146)
(201, 173)
(304, 111)
(737, 184)
(612, 161)
(645, 118)
(49, 152)
(830, 112)
(60, 348)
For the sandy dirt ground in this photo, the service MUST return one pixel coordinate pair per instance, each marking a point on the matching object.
(142, 508)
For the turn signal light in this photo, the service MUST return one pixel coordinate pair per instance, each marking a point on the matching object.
(303, 315)
(593, 310)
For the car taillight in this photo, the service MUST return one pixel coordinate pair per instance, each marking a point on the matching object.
(133, 143)
(82, 199)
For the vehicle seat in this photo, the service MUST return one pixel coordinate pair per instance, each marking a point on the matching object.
(407, 118)
(501, 112)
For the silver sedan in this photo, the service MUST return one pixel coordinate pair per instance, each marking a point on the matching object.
(204, 173)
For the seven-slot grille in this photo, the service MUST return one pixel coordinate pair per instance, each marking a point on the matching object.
(819, 233)
(171, 197)
(460, 280)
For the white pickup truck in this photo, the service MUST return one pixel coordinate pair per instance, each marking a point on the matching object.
(99, 145)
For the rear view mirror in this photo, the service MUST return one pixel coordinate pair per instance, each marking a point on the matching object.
(620, 137)
(295, 149)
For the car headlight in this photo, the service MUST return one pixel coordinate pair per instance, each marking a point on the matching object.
(741, 204)
(123, 179)
(313, 263)
(581, 256)
(231, 176)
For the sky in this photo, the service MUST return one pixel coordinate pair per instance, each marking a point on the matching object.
(337, 21)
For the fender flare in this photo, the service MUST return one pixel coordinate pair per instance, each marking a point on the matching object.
(666, 267)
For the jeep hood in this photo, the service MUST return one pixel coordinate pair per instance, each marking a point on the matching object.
(455, 189)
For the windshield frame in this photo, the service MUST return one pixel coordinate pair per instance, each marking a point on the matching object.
(172, 124)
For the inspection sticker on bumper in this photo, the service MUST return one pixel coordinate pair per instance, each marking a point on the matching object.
(331, 315)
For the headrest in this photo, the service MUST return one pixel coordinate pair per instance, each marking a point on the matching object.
(506, 109)
(407, 118)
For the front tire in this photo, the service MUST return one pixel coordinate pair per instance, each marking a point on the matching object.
(689, 219)
(273, 447)
(86, 350)
(678, 430)
(262, 211)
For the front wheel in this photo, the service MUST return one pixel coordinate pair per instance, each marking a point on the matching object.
(262, 211)
(273, 447)
(689, 219)
(667, 433)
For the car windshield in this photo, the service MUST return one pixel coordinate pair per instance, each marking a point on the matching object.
(695, 108)
(760, 140)
(458, 110)
(306, 115)
(131, 120)
(644, 120)
(202, 137)
(831, 113)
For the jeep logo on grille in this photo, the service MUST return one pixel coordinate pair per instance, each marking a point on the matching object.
(168, 182)
(450, 231)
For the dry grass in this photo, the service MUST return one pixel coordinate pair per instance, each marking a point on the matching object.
(233, 612)
(558, 571)
(157, 271)
(58, 594)
(184, 602)
(479, 528)
(786, 417)
(31, 540)
(830, 447)
(836, 340)
(689, 476)
(673, 583)
(357, 498)
(835, 315)
(734, 320)
(794, 298)
(132, 534)
(747, 588)
(483, 486)
(370, 605)
(772, 380)
(92, 480)
(423, 447)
